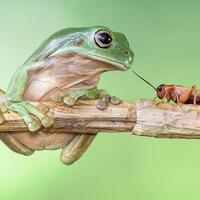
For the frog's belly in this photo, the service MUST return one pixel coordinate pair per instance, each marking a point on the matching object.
(43, 140)
(43, 90)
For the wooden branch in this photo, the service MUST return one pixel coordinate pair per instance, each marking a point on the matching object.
(141, 118)
(81, 118)
(167, 120)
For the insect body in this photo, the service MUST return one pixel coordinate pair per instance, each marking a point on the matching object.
(177, 93)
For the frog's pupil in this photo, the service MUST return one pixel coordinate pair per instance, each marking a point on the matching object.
(105, 38)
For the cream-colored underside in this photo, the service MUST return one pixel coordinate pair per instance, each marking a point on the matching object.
(72, 71)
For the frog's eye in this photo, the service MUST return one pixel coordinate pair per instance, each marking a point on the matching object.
(103, 38)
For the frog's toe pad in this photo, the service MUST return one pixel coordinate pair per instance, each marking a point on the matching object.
(2, 119)
(47, 122)
(101, 105)
(69, 100)
(57, 98)
(3, 108)
(34, 126)
(103, 102)
(114, 100)
(43, 108)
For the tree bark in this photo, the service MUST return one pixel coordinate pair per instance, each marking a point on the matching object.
(143, 117)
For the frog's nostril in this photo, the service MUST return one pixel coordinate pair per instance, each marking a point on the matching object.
(126, 53)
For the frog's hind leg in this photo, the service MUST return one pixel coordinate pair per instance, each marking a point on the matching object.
(15, 145)
(75, 149)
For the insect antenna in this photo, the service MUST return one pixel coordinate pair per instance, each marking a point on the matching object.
(144, 80)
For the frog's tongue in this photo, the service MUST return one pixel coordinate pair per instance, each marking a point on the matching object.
(73, 72)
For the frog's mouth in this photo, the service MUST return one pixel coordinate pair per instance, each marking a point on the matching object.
(113, 63)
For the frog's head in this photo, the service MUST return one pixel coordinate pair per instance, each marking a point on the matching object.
(97, 43)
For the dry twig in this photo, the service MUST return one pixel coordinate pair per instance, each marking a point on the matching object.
(143, 117)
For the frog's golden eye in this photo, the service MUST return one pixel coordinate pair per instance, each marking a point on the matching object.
(103, 38)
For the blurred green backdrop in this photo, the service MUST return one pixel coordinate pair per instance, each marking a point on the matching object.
(165, 38)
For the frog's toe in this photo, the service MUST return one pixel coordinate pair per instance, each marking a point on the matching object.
(103, 102)
(69, 100)
(63, 97)
(57, 98)
(34, 126)
(2, 119)
(25, 109)
(114, 100)
(3, 108)
(101, 105)
(47, 122)
(43, 108)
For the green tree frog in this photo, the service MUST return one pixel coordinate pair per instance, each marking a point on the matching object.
(65, 68)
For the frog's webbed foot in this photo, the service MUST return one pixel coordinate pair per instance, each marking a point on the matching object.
(105, 99)
(25, 109)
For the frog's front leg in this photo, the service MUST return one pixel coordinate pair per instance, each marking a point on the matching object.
(69, 97)
(16, 103)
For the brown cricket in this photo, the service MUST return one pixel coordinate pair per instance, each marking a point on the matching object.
(177, 93)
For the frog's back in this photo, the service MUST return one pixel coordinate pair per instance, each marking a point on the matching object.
(55, 41)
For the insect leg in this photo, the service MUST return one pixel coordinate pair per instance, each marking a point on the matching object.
(195, 95)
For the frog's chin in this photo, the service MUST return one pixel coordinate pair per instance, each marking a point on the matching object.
(116, 65)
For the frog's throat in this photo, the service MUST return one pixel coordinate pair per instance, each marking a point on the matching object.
(114, 64)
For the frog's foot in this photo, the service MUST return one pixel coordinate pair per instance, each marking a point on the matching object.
(105, 99)
(75, 149)
(24, 109)
(69, 97)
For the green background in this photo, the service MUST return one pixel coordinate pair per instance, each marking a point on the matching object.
(165, 36)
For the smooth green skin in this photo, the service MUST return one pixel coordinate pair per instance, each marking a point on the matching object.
(62, 42)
